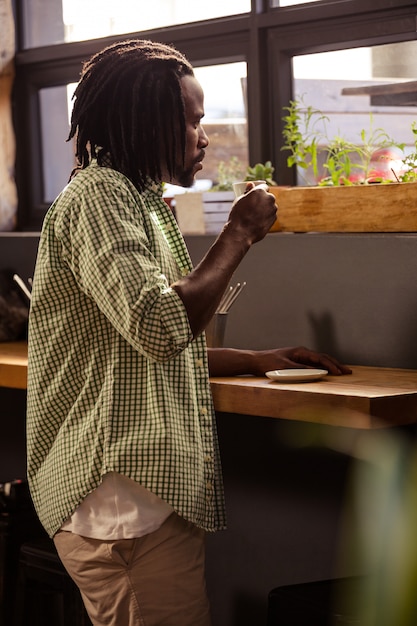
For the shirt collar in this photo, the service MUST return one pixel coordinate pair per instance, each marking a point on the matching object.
(152, 187)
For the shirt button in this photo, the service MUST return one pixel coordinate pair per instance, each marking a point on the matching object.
(184, 271)
(209, 485)
(208, 458)
(203, 410)
(199, 362)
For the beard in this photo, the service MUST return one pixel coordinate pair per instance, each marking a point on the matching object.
(186, 176)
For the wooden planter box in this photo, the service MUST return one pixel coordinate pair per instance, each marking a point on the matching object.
(363, 209)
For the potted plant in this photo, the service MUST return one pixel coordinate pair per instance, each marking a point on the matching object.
(218, 200)
(365, 187)
(228, 172)
(261, 171)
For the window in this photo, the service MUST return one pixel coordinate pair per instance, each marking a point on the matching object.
(341, 83)
(251, 64)
(57, 21)
(225, 115)
(57, 156)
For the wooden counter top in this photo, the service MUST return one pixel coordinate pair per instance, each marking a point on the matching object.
(371, 397)
(13, 365)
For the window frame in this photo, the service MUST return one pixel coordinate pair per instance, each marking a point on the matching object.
(266, 39)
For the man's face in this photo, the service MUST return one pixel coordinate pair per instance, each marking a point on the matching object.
(196, 139)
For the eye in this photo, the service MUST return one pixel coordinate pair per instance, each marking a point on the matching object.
(198, 121)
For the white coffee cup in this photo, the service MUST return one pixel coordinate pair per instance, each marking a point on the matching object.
(240, 187)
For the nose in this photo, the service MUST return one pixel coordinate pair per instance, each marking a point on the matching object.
(203, 140)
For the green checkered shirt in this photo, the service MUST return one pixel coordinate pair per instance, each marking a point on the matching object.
(115, 380)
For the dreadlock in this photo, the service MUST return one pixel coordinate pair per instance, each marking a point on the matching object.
(129, 105)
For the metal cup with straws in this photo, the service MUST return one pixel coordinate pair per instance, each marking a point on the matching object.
(216, 329)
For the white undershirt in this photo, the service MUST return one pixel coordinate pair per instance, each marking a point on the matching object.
(119, 508)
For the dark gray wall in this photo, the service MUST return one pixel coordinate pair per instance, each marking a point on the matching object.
(18, 254)
(353, 295)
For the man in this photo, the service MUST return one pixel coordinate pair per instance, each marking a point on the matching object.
(123, 458)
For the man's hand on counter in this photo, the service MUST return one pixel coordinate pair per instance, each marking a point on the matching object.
(234, 362)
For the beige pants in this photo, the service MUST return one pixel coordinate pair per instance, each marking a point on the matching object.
(155, 580)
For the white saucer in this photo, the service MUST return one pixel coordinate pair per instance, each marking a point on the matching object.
(296, 375)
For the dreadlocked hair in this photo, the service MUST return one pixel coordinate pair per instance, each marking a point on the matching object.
(129, 105)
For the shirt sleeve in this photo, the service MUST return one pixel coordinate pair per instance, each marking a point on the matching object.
(121, 261)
